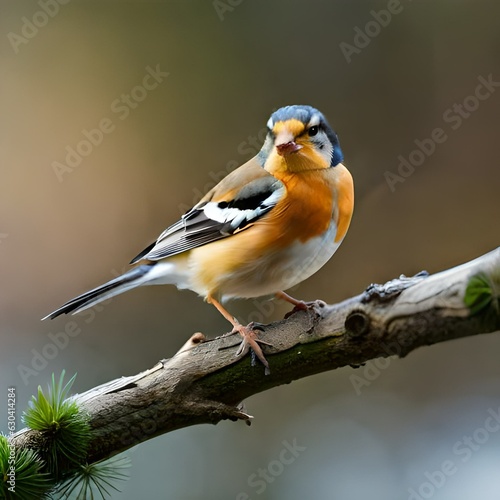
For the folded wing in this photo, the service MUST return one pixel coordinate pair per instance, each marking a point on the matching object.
(242, 198)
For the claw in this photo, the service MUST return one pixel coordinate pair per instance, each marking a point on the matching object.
(250, 342)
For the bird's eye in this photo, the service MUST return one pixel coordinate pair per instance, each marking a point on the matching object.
(313, 130)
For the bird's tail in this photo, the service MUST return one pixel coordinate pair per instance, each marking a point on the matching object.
(131, 279)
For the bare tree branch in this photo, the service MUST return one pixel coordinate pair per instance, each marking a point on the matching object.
(205, 383)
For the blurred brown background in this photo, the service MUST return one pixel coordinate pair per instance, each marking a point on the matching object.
(230, 64)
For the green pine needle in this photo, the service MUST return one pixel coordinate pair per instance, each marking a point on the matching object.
(66, 434)
(94, 479)
(64, 425)
(30, 482)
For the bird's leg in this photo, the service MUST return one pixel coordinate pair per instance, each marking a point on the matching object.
(248, 333)
(299, 305)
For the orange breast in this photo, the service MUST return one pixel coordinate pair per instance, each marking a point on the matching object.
(313, 200)
(306, 211)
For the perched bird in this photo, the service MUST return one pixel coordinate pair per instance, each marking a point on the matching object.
(267, 226)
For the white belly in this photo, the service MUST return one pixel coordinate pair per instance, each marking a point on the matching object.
(279, 271)
(283, 270)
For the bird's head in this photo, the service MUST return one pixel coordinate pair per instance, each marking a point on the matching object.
(299, 138)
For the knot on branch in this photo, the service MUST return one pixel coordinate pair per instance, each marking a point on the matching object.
(357, 323)
(391, 289)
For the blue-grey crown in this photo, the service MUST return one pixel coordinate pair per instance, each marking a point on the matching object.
(303, 113)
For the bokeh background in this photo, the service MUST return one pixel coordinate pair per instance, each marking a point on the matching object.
(230, 64)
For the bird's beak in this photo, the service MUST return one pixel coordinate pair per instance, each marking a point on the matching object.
(288, 148)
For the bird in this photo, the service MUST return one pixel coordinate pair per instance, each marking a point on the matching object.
(264, 228)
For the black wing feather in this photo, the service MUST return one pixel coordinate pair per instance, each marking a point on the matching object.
(196, 228)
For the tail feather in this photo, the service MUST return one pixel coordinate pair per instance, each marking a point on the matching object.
(123, 283)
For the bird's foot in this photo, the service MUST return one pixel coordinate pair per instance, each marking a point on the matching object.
(251, 343)
(315, 305)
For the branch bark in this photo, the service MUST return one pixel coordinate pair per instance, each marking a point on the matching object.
(205, 383)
